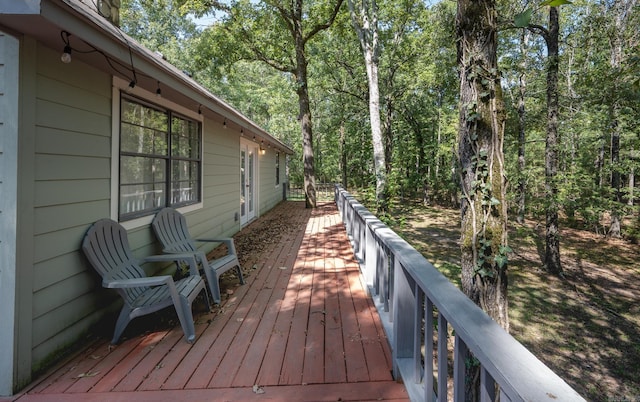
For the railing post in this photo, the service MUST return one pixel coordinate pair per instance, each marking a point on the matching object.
(370, 257)
(403, 328)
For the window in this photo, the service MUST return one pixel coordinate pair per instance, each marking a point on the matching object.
(277, 168)
(160, 159)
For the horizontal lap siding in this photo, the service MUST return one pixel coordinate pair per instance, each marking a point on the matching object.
(270, 194)
(72, 178)
(221, 196)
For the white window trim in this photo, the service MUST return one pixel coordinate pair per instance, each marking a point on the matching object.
(120, 85)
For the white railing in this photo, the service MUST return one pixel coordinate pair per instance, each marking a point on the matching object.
(408, 292)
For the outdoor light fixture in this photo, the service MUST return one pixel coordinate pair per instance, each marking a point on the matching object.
(66, 55)
(132, 84)
(159, 91)
(224, 123)
(199, 109)
(262, 150)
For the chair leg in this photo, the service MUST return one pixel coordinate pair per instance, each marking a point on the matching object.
(214, 286)
(188, 327)
(121, 323)
(240, 277)
(183, 309)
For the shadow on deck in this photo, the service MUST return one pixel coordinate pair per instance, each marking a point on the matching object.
(301, 329)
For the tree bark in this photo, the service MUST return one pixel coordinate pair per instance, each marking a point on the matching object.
(522, 182)
(480, 152)
(343, 154)
(552, 237)
(621, 10)
(366, 27)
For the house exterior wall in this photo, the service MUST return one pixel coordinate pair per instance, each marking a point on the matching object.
(9, 66)
(71, 159)
(271, 194)
(66, 131)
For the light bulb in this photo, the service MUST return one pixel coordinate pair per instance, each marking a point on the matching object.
(66, 55)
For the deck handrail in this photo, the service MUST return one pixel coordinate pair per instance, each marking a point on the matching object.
(407, 289)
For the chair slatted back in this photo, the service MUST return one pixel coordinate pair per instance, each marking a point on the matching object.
(106, 246)
(171, 228)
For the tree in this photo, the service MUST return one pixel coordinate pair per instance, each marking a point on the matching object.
(480, 150)
(364, 18)
(551, 36)
(276, 33)
(621, 12)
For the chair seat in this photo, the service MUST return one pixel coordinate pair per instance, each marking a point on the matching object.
(221, 262)
(171, 228)
(159, 294)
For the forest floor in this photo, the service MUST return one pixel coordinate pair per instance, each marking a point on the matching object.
(585, 326)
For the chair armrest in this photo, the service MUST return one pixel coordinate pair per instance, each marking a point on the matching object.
(220, 240)
(138, 282)
(190, 258)
(226, 240)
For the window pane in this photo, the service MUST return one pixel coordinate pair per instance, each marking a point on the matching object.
(184, 181)
(140, 197)
(144, 116)
(185, 138)
(140, 169)
(141, 140)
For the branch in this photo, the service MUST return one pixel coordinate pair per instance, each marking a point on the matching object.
(260, 55)
(540, 30)
(326, 25)
(286, 15)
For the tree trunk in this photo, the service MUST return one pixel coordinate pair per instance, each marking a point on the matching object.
(302, 90)
(482, 117)
(480, 151)
(552, 238)
(366, 27)
(522, 182)
(621, 10)
(343, 154)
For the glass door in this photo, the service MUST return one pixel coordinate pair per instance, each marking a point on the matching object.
(248, 152)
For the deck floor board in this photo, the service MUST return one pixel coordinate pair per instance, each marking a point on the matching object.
(301, 328)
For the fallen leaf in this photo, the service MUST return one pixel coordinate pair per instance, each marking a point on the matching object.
(88, 374)
(258, 389)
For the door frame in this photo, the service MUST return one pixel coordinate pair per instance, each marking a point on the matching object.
(248, 181)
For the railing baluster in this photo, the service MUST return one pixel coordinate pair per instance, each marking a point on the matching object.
(460, 353)
(384, 283)
(443, 357)
(417, 336)
(487, 386)
(390, 284)
(428, 350)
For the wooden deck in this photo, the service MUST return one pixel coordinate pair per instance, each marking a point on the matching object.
(301, 329)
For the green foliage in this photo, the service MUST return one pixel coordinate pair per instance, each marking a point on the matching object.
(419, 93)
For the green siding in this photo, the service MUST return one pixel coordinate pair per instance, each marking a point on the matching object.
(9, 145)
(270, 194)
(72, 172)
